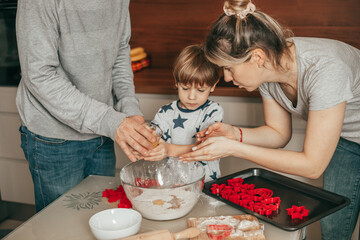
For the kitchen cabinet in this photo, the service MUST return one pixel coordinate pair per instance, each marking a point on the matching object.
(15, 179)
(165, 35)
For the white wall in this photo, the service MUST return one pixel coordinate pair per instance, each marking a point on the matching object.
(15, 178)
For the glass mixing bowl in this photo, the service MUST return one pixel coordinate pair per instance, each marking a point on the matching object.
(163, 190)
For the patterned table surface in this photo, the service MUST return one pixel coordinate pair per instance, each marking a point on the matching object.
(68, 216)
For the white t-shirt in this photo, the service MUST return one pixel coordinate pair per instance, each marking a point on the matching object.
(328, 74)
(180, 126)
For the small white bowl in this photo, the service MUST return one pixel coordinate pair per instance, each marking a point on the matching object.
(115, 223)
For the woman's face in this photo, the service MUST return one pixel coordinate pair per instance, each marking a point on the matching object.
(244, 75)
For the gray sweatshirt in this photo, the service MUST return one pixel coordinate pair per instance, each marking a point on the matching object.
(77, 81)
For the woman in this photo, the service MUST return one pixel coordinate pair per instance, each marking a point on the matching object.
(317, 79)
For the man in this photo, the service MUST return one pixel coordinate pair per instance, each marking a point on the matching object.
(76, 93)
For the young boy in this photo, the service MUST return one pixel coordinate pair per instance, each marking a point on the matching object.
(195, 79)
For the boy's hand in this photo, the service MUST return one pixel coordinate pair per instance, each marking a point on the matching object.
(137, 155)
(158, 153)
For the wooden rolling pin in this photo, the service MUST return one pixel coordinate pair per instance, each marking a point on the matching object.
(165, 234)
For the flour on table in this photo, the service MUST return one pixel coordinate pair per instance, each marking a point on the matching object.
(165, 204)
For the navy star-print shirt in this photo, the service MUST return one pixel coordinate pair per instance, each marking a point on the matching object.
(180, 126)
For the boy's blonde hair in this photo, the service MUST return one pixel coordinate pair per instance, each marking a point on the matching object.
(192, 67)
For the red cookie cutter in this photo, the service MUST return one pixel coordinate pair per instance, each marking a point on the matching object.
(117, 195)
(258, 200)
(219, 232)
(297, 212)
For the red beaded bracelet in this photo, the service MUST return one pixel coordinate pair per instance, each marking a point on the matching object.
(241, 135)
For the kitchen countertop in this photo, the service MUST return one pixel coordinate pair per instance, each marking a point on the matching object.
(68, 216)
(161, 81)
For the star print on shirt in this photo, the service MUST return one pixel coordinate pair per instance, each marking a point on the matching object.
(166, 135)
(209, 115)
(213, 176)
(165, 108)
(179, 122)
(206, 104)
(197, 130)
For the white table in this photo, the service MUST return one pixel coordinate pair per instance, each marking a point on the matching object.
(68, 216)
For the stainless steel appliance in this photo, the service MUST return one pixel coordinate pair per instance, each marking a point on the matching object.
(9, 60)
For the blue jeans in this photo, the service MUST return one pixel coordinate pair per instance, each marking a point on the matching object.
(342, 176)
(56, 165)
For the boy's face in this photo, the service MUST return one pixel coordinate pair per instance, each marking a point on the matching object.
(193, 96)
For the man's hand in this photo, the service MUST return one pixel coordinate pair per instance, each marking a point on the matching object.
(132, 136)
(138, 118)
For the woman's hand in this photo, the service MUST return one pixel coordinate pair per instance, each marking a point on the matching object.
(218, 129)
(211, 149)
(158, 153)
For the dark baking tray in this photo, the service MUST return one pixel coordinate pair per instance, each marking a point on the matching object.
(320, 202)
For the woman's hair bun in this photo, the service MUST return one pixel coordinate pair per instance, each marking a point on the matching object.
(239, 8)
